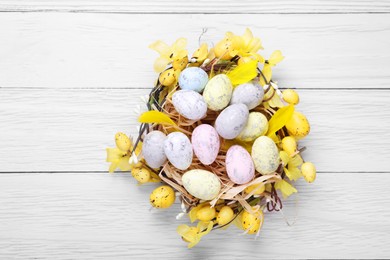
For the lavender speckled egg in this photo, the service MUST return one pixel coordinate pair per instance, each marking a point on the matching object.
(153, 149)
(205, 142)
(189, 104)
(232, 120)
(201, 184)
(265, 155)
(218, 92)
(178, 149)
(193, 78)
(239, 165)
(251, 94)
(256, 126)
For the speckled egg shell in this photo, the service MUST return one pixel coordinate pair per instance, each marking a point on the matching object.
(193, 78)
(178, 149)
(239, 165)
(218, 92)
(201, 184)
(256, 126)
(231, 121)
(251, 94)
(153, 149)
(205, 142)
(189, 104)
(265, 155)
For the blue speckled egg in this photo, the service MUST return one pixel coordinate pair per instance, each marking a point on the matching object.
(193, 78)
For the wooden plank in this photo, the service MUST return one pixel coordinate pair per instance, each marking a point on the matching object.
(69, 129)
(72, 50)
(192, 6)
(103, 216)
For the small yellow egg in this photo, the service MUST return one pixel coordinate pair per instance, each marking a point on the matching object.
(180, 64)
(167, 78)
(309, 171)
(122, 141)
(298, 126)
(223, 48)
(206, 213)
(258, 188)
(142, 175)
(252, 222)
(162, 197)
(290, 96)
(289, 145)
(225, 215)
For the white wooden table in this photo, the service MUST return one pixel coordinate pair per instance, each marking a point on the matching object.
(71, 73)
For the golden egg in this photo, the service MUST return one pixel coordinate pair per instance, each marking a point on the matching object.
(225, 215)
(290, 96)
(258, 189)
(167, 78)
(289, 145)
(162, 197)
(252, 222)
(298, 126)
(206, 213)
(309, 171)
(142, 175)
(122, 141)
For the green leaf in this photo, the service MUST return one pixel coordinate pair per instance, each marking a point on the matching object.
(243, 73)
(157, 117)
(279, 119)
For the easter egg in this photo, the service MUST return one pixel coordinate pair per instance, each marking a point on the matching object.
(201, 184)
(298, 126)
(308, 171)
(122, 141)
(225, 215)
(178, 149)
(232, 120)
(162, 197)
(252, 222)
(189, 104)
(205, 142)
(206, 213)
(141, 174)
(239, 165)
(265, 155)
(251, 94)
(256, 126)
(193, 78)
(218, 92)
(153, 149)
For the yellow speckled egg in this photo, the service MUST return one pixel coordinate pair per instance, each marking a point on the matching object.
(309, 171)
(252, 222)
(257, 188)
(122, 141)
(256, 126)
(223, 49)
(298, 126)
(265, 155)
(201, 184)
(218, 92)
(167, 78)
(180, 64)
(289, 145)
(162, 197)
(142, 175)
(225, 215)
(206, 213)
(290, 96)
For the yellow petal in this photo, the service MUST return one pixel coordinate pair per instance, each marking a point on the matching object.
(114, 154)
(286, 188)
(284, 157)
(276, 101)
(123, 164)
(182, 229)
(243, 73)
(160, 64)
(275, 58)
(205, 228)
(161, 47)
(179, 45)
(154, 116)
(293, 173)
(280, 118)
(113, 167)
(295, 161)
(267, 74)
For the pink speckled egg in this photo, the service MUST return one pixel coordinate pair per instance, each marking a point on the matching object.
(239, 165)
(205, 142)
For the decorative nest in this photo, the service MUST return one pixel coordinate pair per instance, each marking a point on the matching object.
(247, 201)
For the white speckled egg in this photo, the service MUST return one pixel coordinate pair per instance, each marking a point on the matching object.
(218, 92)
(189, 104)
(193, 78)
(201, 184)
(265, 155)
(256, 126)
(153, 149)
(251, 94)
(205, 142)
(231, 121)
(178, 149)
(239, 165)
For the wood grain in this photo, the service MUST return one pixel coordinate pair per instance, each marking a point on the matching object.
(69, 129)
(103, 216)
(193, 6)
(78, 50)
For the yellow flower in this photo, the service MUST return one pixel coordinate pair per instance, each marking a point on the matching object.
(169, 54)
(200, 55)
(249, 46)
(291, 164)
(193, 235)
(274, 59)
